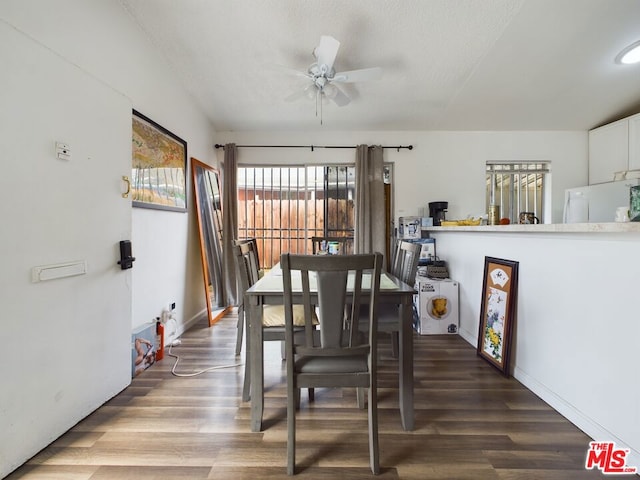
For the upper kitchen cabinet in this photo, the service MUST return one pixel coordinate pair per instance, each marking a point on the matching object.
(634, 142)
(614, 147)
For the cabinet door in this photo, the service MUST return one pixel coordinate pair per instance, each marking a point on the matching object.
(634, 142)
(608, 151)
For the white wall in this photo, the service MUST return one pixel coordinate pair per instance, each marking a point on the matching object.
(577, 330)
(443, 166)
(72, 71)
(66, 342)
(103, 40)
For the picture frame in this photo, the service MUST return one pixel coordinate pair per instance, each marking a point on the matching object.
(498, 311)
(158, 166)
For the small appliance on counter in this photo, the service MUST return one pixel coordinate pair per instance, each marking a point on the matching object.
(437, 211)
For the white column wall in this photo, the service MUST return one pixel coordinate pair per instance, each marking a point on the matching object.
(577, 331)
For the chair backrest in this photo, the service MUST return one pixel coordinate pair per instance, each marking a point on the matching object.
(317, 242)
(247, 263)
(339, 281)
(254, 242)
(405, 261)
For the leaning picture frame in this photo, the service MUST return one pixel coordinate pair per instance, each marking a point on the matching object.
(158, 166)
(498, 311)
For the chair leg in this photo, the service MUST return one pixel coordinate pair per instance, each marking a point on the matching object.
(240, 329)
(292, 395)
(246, 388)
(374, 453)
(360, 397)
(395, 344)
(297, 398)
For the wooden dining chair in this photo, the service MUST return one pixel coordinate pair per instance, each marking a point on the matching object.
(255, 265)
(404, 266)
(337, 357)
(272, 315)
(316, 244)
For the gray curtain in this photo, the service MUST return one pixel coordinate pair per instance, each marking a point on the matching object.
(229, 222)
(369, 236)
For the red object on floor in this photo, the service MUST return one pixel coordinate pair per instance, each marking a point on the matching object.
(160, 333)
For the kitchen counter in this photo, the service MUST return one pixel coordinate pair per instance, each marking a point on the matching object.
(612, 227)
(577, 326)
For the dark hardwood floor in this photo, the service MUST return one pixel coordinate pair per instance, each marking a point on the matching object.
(471, 423)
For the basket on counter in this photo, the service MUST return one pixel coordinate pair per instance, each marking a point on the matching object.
(467, 222)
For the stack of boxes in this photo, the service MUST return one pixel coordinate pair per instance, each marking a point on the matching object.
(436, 303)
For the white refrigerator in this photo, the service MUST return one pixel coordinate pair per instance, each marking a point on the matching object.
(597, 203)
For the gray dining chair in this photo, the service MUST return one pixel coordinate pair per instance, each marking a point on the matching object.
(316, 243)
(404, 266)
(255, 261)
(246, 255)
(337, 357)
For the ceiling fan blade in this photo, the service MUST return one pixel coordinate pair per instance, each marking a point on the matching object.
(340, 99)
(295, 96)
(326, 52)
(292, 71)
(309, 92)
(362, 75)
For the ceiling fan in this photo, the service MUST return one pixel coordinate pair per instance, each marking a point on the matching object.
(324, 77)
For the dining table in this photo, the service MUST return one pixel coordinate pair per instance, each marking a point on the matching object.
(269, 291)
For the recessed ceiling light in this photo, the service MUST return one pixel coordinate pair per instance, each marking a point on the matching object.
(629, 55)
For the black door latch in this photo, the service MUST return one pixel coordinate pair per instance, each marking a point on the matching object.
(126, 260)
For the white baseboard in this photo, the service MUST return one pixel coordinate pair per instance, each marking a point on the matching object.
(589, 426)
(585, 423)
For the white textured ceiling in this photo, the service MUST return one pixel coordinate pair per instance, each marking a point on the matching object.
(448, 64)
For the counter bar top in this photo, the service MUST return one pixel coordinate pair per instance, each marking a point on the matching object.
(612, 227)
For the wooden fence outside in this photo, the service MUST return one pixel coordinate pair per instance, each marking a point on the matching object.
(288, 225)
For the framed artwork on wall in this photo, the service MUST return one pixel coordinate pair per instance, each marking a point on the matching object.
(498, 311)
(158, 166)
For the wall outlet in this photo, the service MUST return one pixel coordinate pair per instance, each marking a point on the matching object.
(173, 306)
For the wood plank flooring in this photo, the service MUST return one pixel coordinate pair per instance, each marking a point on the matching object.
(471, 423)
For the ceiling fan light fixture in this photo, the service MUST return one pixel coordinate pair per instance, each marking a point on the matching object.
(330, 91)
(311, 91)
(630, 54)
(322, 74)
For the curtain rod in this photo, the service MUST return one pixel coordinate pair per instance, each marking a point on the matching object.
(312, 147)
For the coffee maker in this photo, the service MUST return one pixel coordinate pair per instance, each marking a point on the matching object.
(437, 211)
